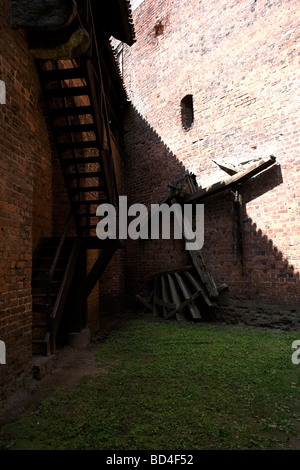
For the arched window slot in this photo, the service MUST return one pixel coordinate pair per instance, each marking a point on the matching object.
(187, 112)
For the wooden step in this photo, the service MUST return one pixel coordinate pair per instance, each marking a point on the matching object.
(68, 92)
(90, 202)
(80, 161)
(187, 295)
(75, 129)
(84, 144)
(88, 189)
(43, 283)
(37, 270)
(43, 308)
(87, 227)
(88, 174)
(62, 74)
(53, 242)
(71, 111)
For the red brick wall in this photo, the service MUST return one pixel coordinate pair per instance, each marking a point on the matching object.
(238, 60)
(25, 197)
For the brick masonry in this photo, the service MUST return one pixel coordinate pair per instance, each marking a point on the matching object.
(239, 61)
(25, 198)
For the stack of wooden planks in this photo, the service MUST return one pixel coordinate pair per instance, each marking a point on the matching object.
(189, 292)
(179, 294)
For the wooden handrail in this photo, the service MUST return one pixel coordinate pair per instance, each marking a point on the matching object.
(109, 168)
(59, 248)
(56, 314)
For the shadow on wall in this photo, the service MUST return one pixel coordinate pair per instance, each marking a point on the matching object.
(260, 273)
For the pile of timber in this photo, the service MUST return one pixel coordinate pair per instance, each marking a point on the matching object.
(189, 292)
(178, 294)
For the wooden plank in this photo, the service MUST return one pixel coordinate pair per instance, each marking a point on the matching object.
(199, 264)
(188, 295)
(154, 211)
(154, 308)
(165, 297)
(183, 305)
(149, 300)
(58, 308)
(227, 167)
(176, 300)
(74, 128)
(239, 177)
(94, 243)
(62, 74)
(81, 160)
(205, 275)
(88, 174)
(165, 304)
(199, 288)
(96, 271)
(87, 189)
(71, 111)
(84, 144)
(108, 164)
(144, 302)
(67, 91)
(238, 222)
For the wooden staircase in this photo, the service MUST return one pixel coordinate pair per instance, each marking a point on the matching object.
(80, 129)
(52, 273)
(76, 122)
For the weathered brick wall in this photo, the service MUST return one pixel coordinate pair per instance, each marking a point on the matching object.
(25, 198)
(239, 61)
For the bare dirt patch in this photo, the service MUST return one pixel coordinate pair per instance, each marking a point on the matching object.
(71, 364)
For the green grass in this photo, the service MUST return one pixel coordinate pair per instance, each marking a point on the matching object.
(174, 386)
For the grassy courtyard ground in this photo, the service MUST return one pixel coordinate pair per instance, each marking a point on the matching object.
(173, 386)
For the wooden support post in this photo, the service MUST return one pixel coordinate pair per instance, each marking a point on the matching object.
(145, 302)
(97, 270)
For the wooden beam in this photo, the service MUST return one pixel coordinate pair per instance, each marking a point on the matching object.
(199, 288)
(239, 177)
(176, 300)
(172, 271)
(145, 302)
(183, 305)
(96, 271)
(227, 167)
(194, 311)
(198, 262)
(94, 243)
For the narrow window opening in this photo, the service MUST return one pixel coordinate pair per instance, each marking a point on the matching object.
(187, 112)
(158, 28)
(2, 92)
